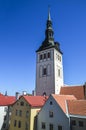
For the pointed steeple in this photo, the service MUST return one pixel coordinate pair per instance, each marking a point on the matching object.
(49, 17)
(49, 30)
(49, 39)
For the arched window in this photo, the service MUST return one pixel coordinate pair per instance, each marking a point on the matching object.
(44, 94)
(44, 71)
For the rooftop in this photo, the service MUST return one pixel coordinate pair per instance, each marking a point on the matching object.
(77, 107)
(36, 101)
(7, 100)
(77, 91)
(61, 100)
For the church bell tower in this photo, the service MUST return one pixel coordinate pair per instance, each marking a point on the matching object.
(49, 67)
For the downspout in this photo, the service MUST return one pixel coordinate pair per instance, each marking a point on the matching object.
(67, 113)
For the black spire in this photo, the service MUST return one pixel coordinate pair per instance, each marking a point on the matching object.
(49, 39)
(49, 31)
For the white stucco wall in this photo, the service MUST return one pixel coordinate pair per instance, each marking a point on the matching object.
(59, 117)
(58, 64)
(2, 114)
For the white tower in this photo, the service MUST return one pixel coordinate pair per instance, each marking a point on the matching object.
(49, 68)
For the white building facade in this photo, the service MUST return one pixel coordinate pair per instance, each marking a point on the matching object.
(49, 67)
(52, 117)
(5, 111)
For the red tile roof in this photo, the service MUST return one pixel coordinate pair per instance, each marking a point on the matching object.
(61, 100)
(1, 94)
(77, 91)
(77, 107)
(36, 101)
(6, 100)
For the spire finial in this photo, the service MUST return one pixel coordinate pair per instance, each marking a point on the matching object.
(49, 17)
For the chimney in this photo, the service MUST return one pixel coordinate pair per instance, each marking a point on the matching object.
(85, 90)
(17, 95)
(33, 93)
(24, 93)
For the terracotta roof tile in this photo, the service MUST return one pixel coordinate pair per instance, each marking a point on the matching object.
(7, 100)
(61, 100)
(36, 101)
(1, 94)
(77, 91)
(77, 107)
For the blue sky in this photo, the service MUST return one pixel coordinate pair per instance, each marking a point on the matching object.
(22, 30)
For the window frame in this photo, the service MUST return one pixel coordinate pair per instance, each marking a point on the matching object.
(73, 122)
(45, 56)
(21, 103)
(59, 127)
(43, 125)
(15, 123)
(19, 124)
(48, 55)
(81, 123)
(51, 114)
(44, 71)
(51, 127)
(40, 57)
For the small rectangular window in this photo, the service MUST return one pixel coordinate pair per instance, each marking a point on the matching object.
(51, 127)
(48, 55)
(59, 57)
(44, 56)
(16, 113)
(40, 57)
(51, 102)
(44, 71)
(26, 126)
(15, 123)
(59, 72)
(4, 125)
(22, 103)
(73, 122)
(43, 125)
(19, 124)
(20, 113)
(50, 114)
(27, 114)
(81, 123)
(59, 127)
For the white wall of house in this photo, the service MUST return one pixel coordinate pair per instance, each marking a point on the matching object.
(4, 117)
(59, 117)
(2, 114)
